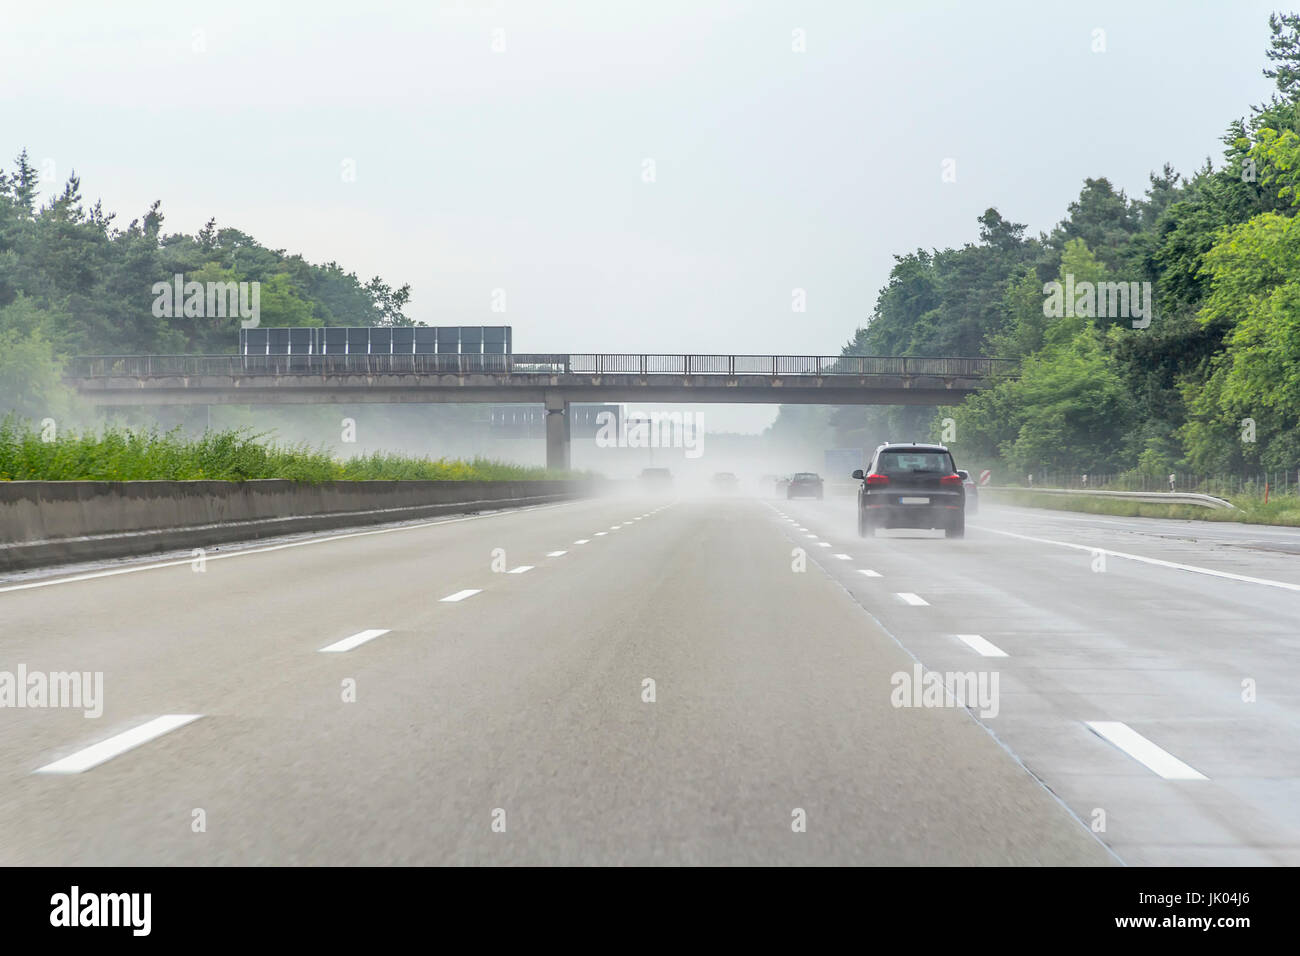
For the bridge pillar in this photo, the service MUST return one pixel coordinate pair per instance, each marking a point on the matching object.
(557, 432)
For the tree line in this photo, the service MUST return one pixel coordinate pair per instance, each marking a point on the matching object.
(74, 282)
(1210, 383)
(1203, 376)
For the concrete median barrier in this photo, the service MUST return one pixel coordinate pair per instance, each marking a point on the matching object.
(56, 522)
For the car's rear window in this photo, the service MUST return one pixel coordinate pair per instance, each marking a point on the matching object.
(906, 462)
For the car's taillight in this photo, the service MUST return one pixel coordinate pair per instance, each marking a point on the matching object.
(874, 479)
(950, 480)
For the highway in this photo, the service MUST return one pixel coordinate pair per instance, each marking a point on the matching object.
(329, 705)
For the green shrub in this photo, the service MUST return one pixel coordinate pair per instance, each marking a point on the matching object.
(117, 454)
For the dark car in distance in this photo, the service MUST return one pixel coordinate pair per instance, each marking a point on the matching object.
(656, 480)
(726, 482)
(804, 484)
(913, 485)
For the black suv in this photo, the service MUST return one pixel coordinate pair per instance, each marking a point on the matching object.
(911, 486)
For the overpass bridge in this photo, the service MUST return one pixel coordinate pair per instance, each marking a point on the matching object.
(553, 380)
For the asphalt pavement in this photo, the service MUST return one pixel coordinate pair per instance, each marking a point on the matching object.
(668, 681)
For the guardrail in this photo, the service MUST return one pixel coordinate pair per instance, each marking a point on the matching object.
(150, 366)
(1149, 497)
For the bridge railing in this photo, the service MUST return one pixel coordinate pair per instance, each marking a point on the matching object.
(155, 366)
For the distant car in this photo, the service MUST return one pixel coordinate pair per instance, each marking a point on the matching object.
(768, 484)
(782, 486)
(656, 479)
(912, 485)
(726, 481)
(804, 484)
(972, 492)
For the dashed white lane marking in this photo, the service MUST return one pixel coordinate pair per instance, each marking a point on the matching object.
(582, 541)
(105, 750)
(907, 597)
(823, 544)
(810, 536)
(356, 640)
(461, 595)
(868, 572)
(601, 534)
(844, 557)
(521, 569)
(1143, 751)
(555, 554)
(981, 646)
(1156, 561)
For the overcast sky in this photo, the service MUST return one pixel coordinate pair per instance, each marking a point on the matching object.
(524, 169)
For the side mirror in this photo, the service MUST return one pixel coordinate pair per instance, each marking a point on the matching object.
(858, 474)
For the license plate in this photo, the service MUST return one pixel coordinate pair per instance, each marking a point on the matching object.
(914, 501)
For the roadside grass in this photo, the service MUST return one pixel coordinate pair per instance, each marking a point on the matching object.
(1282, 510)
(116, 454)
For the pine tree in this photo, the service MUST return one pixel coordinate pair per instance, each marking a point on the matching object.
(1285, 53)
(24, 184)
(208, 235)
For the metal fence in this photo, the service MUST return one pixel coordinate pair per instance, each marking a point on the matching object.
(1249, 483)
(149, 366)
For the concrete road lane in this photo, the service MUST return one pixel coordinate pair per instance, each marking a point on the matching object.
(1183, 632)
(524, 707)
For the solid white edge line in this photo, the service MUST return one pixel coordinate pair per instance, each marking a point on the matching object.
(91, 575)
(1156, 561)
(105, 750)
(915, 600)
(461, 595)
(356, 640)
(982, 647)
(1155, 759)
